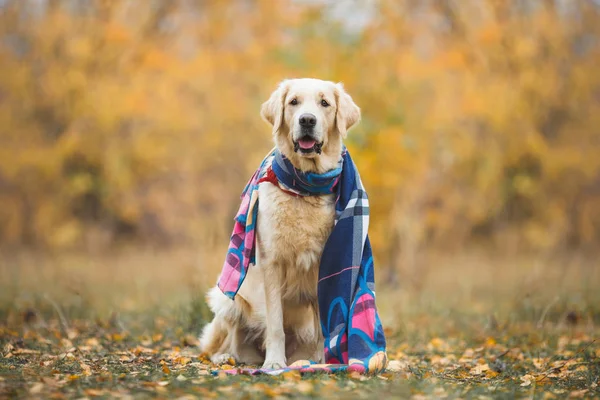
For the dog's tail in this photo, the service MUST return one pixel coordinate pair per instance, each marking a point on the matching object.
(213, 336)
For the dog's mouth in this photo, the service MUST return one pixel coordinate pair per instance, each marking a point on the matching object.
(307, 145)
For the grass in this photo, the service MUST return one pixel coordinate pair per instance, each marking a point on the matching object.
(126, 324)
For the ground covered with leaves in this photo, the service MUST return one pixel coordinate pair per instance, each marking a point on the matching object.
(91, 359)
(479, 337)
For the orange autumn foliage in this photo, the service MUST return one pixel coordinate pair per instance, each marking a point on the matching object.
(129, 122)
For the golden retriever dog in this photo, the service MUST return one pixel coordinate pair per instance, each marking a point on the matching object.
(274, 319)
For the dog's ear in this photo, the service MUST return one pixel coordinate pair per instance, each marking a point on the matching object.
(347, 113)
(272, 109)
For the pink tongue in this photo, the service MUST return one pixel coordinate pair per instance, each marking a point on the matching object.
(306, 143)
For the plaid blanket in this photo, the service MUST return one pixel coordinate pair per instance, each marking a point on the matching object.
(303, 367)
(346, 288)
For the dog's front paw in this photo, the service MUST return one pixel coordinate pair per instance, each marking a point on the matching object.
(223, 358)
(274, 364)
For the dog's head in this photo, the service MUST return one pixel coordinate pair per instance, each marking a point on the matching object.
(310, 118)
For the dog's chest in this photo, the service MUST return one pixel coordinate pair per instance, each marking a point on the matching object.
(293, 231)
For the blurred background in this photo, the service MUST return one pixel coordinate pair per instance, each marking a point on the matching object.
(128, 129)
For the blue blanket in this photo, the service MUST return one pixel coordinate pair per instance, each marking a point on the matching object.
(346, 287)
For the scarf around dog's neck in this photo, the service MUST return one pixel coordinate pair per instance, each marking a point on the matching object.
(346, 289)
(290, 179)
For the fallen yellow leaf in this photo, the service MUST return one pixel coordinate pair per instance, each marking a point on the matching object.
(578, 394)
(36, 388)
(491, 374)
(94, 392)
(396, 366)
(304, 387)
(291, 375)
(479, 369)
(358, 376)
(526, 380)
(87, 371)
(157, 337)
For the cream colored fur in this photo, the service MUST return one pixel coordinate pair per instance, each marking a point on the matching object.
(274, 319)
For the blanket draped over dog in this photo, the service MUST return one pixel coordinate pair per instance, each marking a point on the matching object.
(346, 289)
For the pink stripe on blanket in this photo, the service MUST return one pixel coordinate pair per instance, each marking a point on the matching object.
(337, 273)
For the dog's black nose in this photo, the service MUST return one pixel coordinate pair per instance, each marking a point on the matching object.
(308, 120)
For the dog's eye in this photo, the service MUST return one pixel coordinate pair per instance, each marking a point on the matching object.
(294, 102)
(324, 103)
